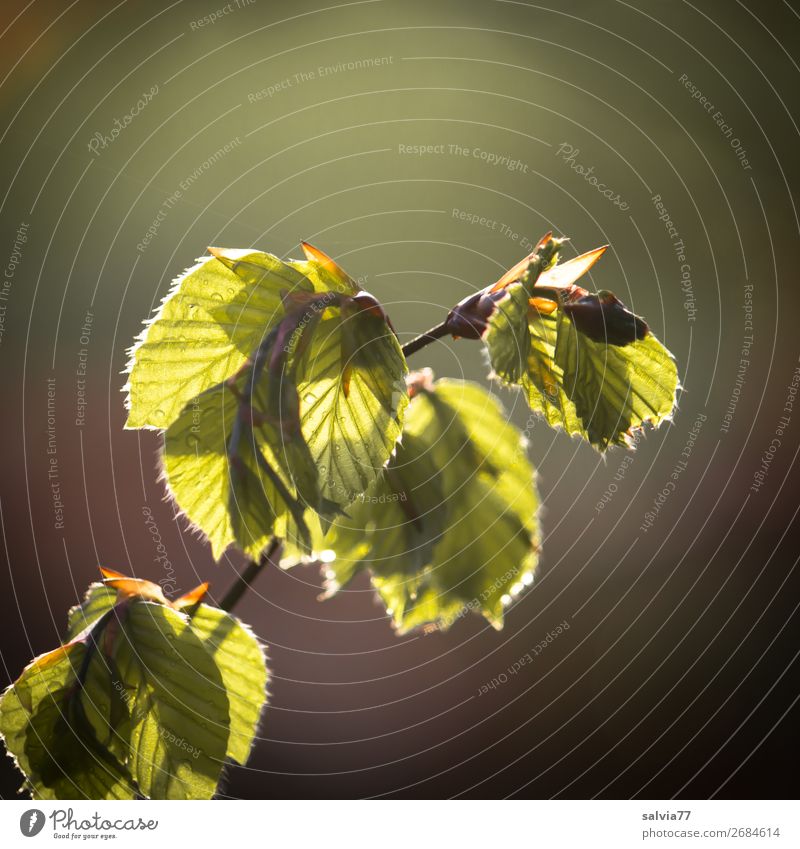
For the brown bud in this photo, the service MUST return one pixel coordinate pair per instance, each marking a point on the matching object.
(604, 318)
(469, 318)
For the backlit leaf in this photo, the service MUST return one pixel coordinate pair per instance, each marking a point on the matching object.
(149, 699)
(297, 408)
(240, 660)
(178, 704)
(584, 362)
(213, 318)
(451, 525)
(352, 399)
(98, 600)
(45, 729)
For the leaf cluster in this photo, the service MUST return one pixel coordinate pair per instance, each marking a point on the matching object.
(145, 698)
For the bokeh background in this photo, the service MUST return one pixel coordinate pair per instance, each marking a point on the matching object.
(283, 121)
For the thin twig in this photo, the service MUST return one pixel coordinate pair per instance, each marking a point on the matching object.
(425, 339)
(243, 582)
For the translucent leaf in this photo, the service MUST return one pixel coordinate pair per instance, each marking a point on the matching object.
(324, 273)
(584, 361)
(240, 660)
(352, 398)
(148, 699)
(234, 648)
(245, 458)
(104, 702)
(615, 389)
(179, 708)
(45, 729)
(245, 501)
(213, 318)
(98, 600)
(451, 525)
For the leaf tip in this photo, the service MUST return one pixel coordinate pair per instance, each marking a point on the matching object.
(194, 596)
(330, 265)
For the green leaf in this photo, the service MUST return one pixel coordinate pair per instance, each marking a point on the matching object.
(97, 600)
(558, 351)
(615, 390)
(179, 708)
(451, 525)
(352, 399)
(149, 699)
(308, 426)
(213, 318)
(243, 501)
(508, 336)
(293, 402)
(240, 660)
(104, 702)
(45, 729)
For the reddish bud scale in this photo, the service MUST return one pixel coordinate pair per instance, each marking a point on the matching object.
(469, 318)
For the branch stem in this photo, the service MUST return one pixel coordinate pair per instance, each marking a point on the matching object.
(425, 339)
(246, 578)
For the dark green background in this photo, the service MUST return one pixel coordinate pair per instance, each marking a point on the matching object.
(678, 674)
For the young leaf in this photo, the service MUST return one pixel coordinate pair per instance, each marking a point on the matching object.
(211, 321)
(234, 648)
(236, 461)
(352, 397)
(294, 405)
(179, 708)
(584, 361)
(148, 697)
(45, 729)
(99, 599)
(207, 326)
(451, 525)
(227, 503)
(614, 389)
(240, 660)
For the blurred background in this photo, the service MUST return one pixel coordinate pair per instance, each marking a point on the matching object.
(426, 146)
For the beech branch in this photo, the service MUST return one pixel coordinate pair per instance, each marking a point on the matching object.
(271, 554)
